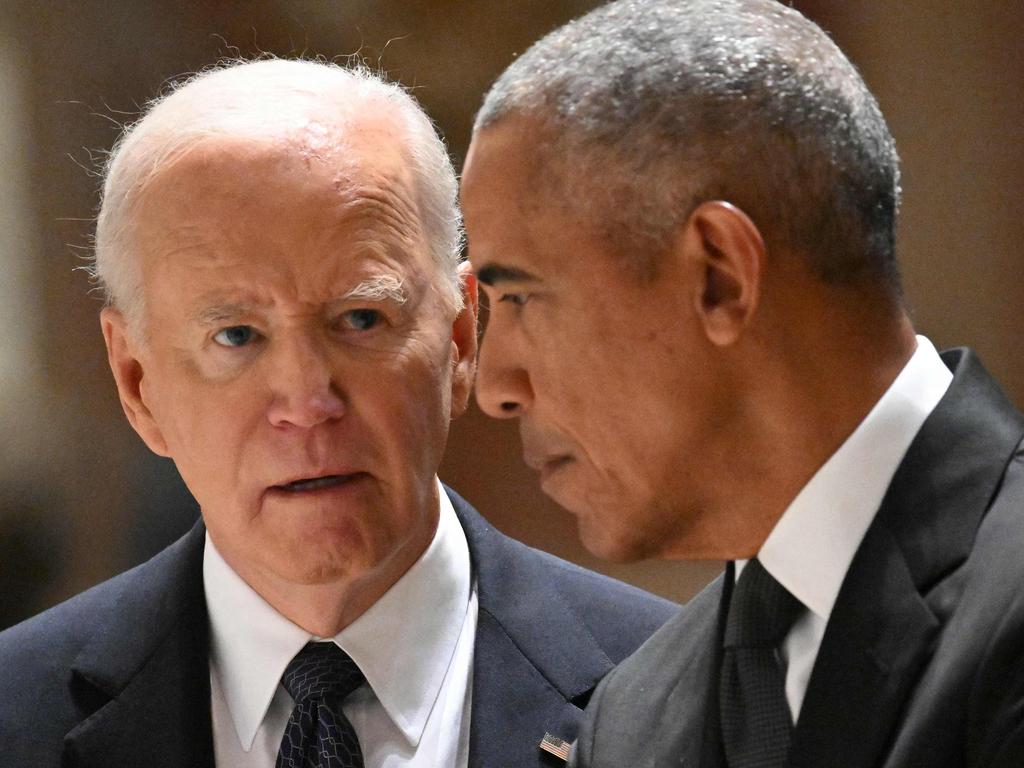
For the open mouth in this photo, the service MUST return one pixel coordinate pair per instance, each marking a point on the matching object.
(306, 485)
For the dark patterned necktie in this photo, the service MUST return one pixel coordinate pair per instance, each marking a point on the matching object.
(756, 722)
(318, 735)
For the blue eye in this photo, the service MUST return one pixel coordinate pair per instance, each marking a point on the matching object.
(362, 319)
(235, 336)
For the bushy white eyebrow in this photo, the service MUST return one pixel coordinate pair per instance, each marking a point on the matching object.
(379, 288)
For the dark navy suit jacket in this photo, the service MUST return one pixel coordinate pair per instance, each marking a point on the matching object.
(119, 675)
(922, 662)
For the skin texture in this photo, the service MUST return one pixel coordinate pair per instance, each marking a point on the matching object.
(674, 417)
(256, 367)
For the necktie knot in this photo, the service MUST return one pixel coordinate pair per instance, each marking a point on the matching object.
(761, 611)
(321, 671)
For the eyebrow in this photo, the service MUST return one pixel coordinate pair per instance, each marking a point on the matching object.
(379, 288)
(492, 274)
(220, 314)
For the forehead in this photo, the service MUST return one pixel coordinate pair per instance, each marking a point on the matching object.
(317, 163)
(504, 163)
(517, 209)
(295, 205)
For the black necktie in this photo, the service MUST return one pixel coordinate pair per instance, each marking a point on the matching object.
(756, 722)
(318, 735)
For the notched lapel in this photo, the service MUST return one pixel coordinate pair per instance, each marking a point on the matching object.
(902, 584)
(660, 706)
(146, 671)
(878, 640)
(535, 663)
(161, 719)
(512, 698)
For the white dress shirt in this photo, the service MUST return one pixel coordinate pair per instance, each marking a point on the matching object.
(414, 646)
(812, 545)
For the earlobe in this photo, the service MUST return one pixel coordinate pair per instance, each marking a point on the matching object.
(128, 375)
(731, 254)
(464, 342)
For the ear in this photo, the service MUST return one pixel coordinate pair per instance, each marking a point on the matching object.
(464, 341)
(727, 248)
(125, 362)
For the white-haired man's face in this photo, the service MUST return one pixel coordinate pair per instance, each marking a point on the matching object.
(298, 363)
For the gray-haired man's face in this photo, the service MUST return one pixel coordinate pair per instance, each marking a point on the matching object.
(609, 379)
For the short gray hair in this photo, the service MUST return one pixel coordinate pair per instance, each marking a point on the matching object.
(256, 99)
(658, 105)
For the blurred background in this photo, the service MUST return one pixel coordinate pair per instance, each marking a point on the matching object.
(81, 498)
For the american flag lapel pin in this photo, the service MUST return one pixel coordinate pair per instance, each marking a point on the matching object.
(553, 745)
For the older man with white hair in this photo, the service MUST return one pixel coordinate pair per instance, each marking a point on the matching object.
(289, 322)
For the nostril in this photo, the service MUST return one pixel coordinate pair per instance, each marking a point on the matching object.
(508, 406)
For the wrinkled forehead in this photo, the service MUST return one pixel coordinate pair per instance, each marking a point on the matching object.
(314, 174)
(308, 154)
(296, 204)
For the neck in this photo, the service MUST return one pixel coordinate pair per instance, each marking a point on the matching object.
(807, 383)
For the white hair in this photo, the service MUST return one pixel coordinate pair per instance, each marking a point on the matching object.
(264, 99)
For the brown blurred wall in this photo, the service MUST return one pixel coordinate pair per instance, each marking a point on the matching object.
(948, 74)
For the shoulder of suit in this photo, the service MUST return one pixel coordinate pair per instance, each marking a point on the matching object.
(509, 570)
(608, 606)
(690, 626)
(59, 632)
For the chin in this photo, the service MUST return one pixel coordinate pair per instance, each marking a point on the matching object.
(320, 562)
(613, 543)
(320, 569)
(610, 528)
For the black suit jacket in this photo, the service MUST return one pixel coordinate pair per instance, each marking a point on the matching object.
(119, 675)
(922, 662)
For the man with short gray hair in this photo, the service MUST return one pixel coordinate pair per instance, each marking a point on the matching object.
(683, 213)
(289, 321)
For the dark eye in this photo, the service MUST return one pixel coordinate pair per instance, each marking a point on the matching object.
(362, 319)
(235, 336)
(519, 299)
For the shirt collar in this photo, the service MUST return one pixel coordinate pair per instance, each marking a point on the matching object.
(403, 644)
(811, 547)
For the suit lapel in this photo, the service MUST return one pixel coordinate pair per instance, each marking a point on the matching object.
(712, 753)
(687, 731)
(145, 674)
(877, 640)
(901, 586)
(511, 697)
(535, 663)
(659, 707)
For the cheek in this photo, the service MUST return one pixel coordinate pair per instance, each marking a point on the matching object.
(408, 406)
(414, 399)
(207, 429)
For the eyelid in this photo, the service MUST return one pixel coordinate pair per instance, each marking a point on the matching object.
(518, 298)
(506, 288)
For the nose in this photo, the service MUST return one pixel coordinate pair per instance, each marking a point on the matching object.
(305, 391)
(503, 387)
